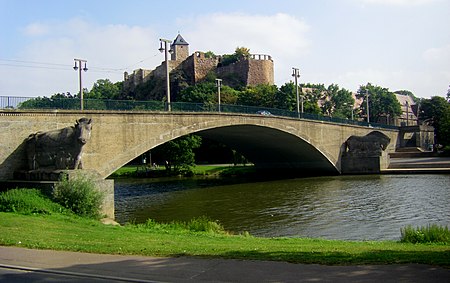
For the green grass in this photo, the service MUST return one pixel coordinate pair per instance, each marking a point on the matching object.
(426, 234)
(201, 170)
(198, 237)
(77, 234)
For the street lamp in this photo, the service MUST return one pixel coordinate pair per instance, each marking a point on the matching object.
(296, 75)
(407, 112)
(166, 57)
(367, 100)
(219, 85)
(79, 68)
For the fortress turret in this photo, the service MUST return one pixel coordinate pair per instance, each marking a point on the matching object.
(180, 49)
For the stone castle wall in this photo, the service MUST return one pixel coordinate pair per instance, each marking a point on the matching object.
(260, 70)
(254, 70)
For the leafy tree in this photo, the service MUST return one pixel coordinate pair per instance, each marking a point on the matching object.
(312, 93)
(437, 111)
(260, 95)
(104, 89)
(239, 53)
(382, 103)
(179, 154)
(341, 101)
(57, 100)
(242, 52)
(206, 92)
(285, 98)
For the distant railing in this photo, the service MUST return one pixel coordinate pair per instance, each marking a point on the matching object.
(11, 102)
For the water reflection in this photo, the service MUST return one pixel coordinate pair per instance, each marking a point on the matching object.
(342, 207)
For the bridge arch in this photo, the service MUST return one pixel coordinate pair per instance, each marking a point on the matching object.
(264, 146)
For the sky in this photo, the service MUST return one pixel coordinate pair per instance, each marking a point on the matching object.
(396, 44)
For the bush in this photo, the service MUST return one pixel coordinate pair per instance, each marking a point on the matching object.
(425, 234)
(78, 194)
(28, 201)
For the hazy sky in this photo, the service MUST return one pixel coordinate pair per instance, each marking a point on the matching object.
(398, 44)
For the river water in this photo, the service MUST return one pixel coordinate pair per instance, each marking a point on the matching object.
(372, 207)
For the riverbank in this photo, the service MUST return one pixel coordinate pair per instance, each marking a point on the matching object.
(70, 233)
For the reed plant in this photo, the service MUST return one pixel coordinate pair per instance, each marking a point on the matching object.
(425, 234)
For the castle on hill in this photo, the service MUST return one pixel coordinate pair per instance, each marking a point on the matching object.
(250, 70)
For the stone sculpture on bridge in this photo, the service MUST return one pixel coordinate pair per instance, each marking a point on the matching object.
(59, 149)
(372, 144)
(365, 154)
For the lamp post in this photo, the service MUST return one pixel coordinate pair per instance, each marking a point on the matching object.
(166, 58)
(219, 85)
(79, 68)
(407, 113)
(367, 100)
(296, 75)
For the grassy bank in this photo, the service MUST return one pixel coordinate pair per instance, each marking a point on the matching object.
(66, 232)
(199, 170)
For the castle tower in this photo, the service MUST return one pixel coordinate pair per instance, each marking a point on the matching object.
(180, 49)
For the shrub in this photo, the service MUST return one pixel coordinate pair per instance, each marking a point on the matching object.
(425, 234)
(28, 201)
(78, 193)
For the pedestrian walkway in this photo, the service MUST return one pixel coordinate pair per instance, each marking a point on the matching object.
(86, 267)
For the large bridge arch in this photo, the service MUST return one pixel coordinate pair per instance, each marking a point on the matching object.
(118, 137)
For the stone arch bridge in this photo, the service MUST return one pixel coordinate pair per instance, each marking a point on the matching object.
(119, 136)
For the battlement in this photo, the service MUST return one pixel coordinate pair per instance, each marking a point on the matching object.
(261, 57)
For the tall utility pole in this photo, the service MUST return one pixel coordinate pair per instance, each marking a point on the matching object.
(219, 85)
(166, 57)
(407, 113)
(367, 100)
(79, 68)
(296, 75)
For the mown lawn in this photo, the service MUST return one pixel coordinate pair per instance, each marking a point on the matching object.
(67, 232)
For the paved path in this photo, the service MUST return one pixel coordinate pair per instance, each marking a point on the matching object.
(25, 265)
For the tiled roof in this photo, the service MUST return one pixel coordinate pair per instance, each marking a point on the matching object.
(179, 40)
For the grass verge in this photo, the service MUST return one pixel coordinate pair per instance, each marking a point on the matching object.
(66, 232)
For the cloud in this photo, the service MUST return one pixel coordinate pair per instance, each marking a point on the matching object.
(399, 2)
(283, 36)
(438, 57)
(36, 29)
(109, 50)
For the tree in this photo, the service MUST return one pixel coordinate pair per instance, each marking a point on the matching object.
(341, 101)
(260, 95)
(179, 154)
(285, 98)
(206, 92)
(382, 103)
(57, 100)
(104, 89)
(437, 111)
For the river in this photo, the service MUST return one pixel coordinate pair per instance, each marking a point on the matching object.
(371, 207)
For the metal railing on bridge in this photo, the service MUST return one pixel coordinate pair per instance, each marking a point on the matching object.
(11, 102)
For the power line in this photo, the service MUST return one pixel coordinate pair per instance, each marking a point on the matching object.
(53, 66)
